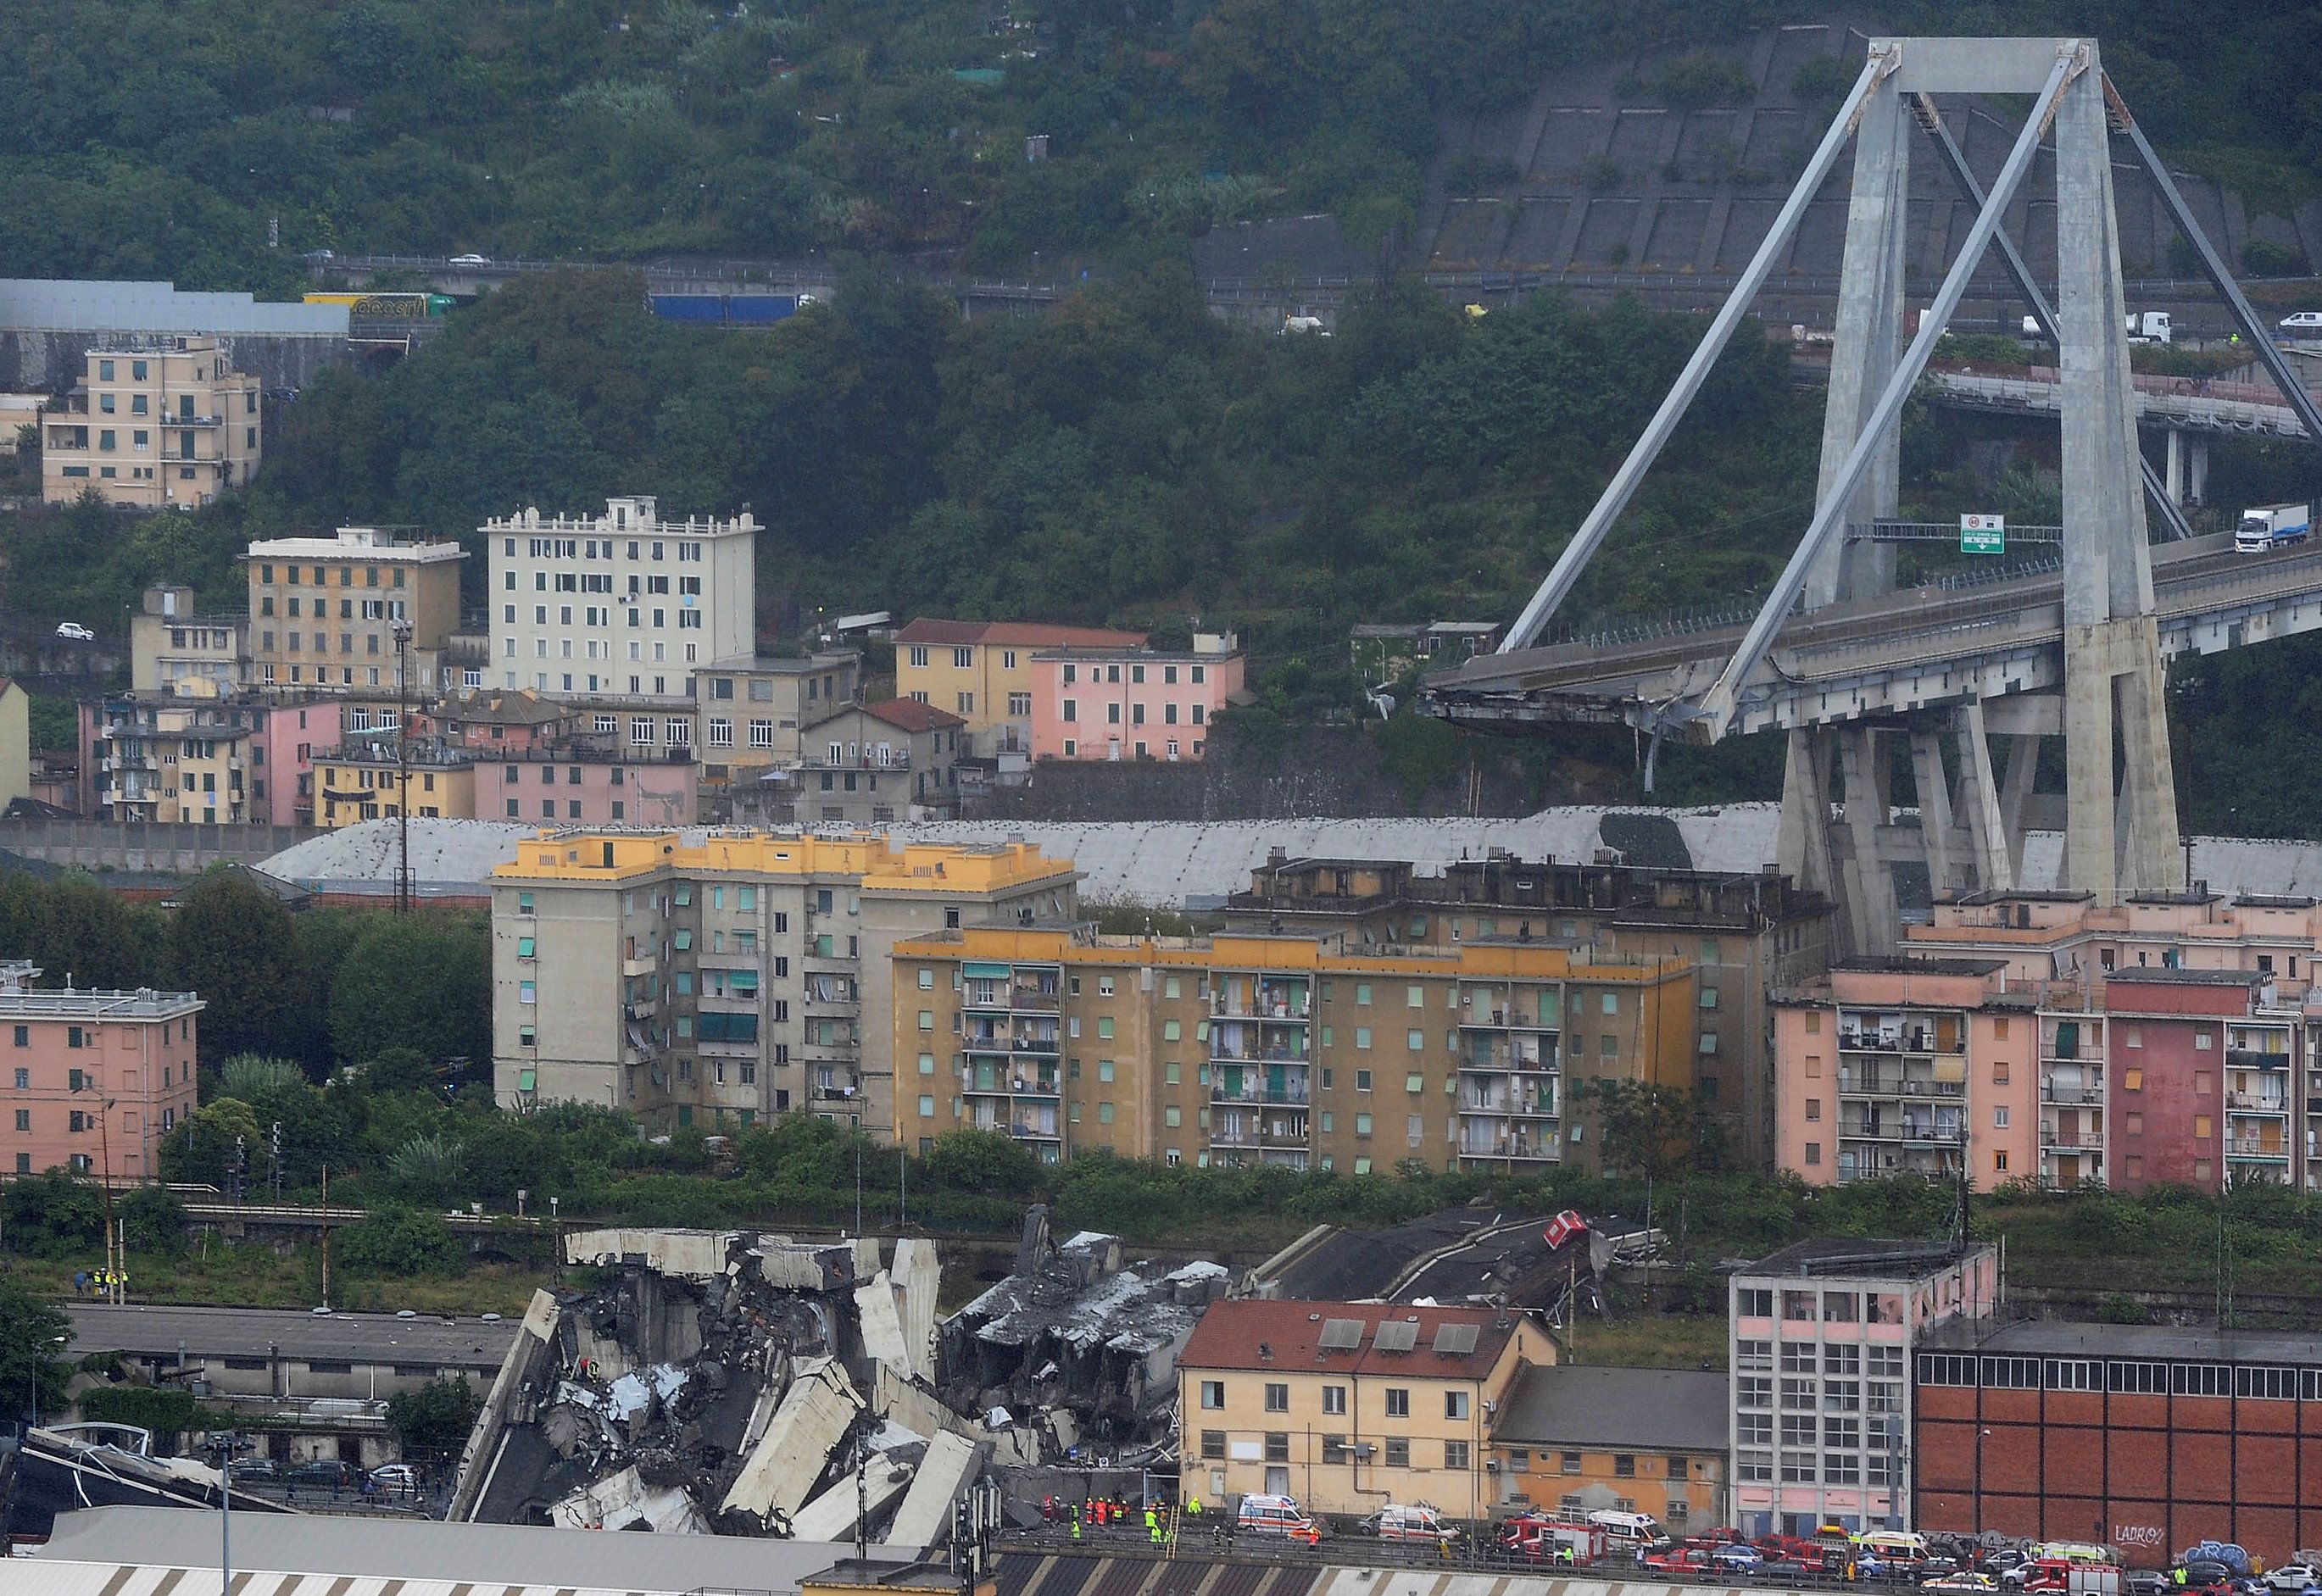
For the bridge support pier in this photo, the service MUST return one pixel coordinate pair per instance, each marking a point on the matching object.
(2120, 834)
(2175, 474)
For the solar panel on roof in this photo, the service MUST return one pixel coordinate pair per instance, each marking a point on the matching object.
(1455, 1340)
(1395, 1336)
(1341, 1334)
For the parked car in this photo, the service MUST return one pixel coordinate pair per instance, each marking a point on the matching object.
(1393, 1523)
(1679, 1560)
(325, 1473)
(399, 1477)
(2146, 1582)
(471, 259)
(2293, 1576)
(252, 1468)
(75, 631)
(2303, 321)
(1737, 1558)
(1961, 1584)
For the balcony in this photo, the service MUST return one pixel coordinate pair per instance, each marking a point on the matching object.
(2072, 1141)
(2071, 1094)
(1291, 1094)
(1512, 1055)
(1863, 1130)
(1042, 1040)
(2258, 1147)
(1515, 1143)
(2251, 1102)
(1505, 1019)
(1538, 1104)
(1257, 1042)
(1288, 1001)
(1022, 1128)
(2255, 1058)
(1259, 1130)
(1012, 997)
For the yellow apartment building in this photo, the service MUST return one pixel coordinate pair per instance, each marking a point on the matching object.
(156, 422)
(1578, 1437)
(727, 980)
(323, 610)
(361, 781)
(1253, 1048)
(1350, 1406)
(981, 671)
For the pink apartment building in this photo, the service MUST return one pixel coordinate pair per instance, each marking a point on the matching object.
(1131, 703)
(94, 1080)
(582, 786)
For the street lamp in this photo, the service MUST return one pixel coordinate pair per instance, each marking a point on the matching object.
(114, 1253)
(32, 1379)
(402, 627)
(223, 1445)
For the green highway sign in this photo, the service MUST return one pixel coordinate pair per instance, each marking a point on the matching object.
(1983, 535)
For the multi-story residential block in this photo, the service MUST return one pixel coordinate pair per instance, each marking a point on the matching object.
(751, 709)
(370, 781)
(731, 978)
(2144, 1437)
(1823, 1334)
(1116, 703)
(323, 610)
(982, 672)
(873, 764)
(1350, 1406)
(215, 761)
(94, 1080)
(1571, 1439)
(1747, 934)
(622, 605)
(174, 650)
(1291, 1050)
(15, 742)
(155, 422)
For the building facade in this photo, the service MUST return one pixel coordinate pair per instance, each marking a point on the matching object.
(172, 650)
(982, 672)
(873, 764)
(1748, 934)
(1293, 1050)
(94, 1080)
(1823, 1334)
(1350, 1406)
(15, 742)
(322, 611)
(751, 709)
(730, 980)
(367, 780)
(1571, 1439)
(1115, 703)
(2146, 1438)
(156, 422)
(622, 605)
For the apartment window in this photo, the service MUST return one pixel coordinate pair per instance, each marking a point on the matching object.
(1213, 1442)
(1213, 1394)
(1277, 1447)
(1455, 1404)
(1568, 1462)
(1398, 1401)
(1277, 1398)
(1455, 1454)
(1624, 1466)
(1398, 1452)
(1334, 1400)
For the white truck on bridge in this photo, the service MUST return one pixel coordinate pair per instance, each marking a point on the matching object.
(2149, 326)
(2272, 526)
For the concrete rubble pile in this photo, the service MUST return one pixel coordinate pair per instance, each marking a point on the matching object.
(730, 1383)
(1079, 1346)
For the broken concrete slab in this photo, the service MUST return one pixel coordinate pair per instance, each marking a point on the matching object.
(833, 1515)
(881, 1325)
(626, 1502)
(690, 1254)
(925, 1515)
(918, 1280)
(798, 1439)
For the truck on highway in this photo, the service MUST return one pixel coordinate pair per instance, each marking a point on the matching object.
(2149, 326)
(2269, 527)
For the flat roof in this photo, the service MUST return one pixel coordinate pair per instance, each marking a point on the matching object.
(2164, 975)
(781, 664)
(419, 1549)
(1919, 966)
(2063, 1339)
(248, 1331)
(356, 542)
(1648, 1410)
(142, 1004)
(1883, 1259)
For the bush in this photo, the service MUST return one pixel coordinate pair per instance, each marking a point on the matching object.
(1692, 82)
(153, 1220)
(433, 1421)
(164, 1412)
(1475, 172)
(1820, 80)
(1600, 174)
(2261, 257)
(399, 1241)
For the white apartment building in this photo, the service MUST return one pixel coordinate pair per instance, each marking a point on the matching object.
(621, 606)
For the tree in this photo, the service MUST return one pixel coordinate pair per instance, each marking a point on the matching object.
(432, 1422)
(981, 1161)
(398, 1241)
(231, 941)
(153, 1220)
(52, 1215)
(421, 981)
(204, 1146)
(33, 1331)
(1647, 1130)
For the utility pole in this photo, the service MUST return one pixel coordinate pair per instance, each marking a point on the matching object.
(326, 1242)
(402, 765)
(114, 1250)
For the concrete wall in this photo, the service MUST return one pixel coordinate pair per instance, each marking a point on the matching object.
(35, 362)
(177, 849)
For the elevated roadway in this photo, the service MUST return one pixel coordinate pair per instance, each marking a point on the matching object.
(1916, 649)
(2183, 403)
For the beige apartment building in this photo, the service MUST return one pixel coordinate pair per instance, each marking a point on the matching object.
(624, 605)
(156, 422)
(1350, 1406)
(323, 610)
(982, 672)
(15, 742)
(174, 650)
(1292, 1049)
(734, 978)
(751, 708)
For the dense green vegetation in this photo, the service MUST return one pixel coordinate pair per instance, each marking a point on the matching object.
(162, 137)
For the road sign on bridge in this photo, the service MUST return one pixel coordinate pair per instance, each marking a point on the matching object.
(1983, 535)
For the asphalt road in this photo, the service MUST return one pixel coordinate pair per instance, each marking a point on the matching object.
(244, 1332)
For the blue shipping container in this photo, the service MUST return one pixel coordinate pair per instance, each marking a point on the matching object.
(689, 307)
(758, 308)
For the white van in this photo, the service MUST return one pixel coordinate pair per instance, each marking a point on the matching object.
(1629, 1532)
(1894, 1545)
(1392, 1523)
(1277, 1514)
